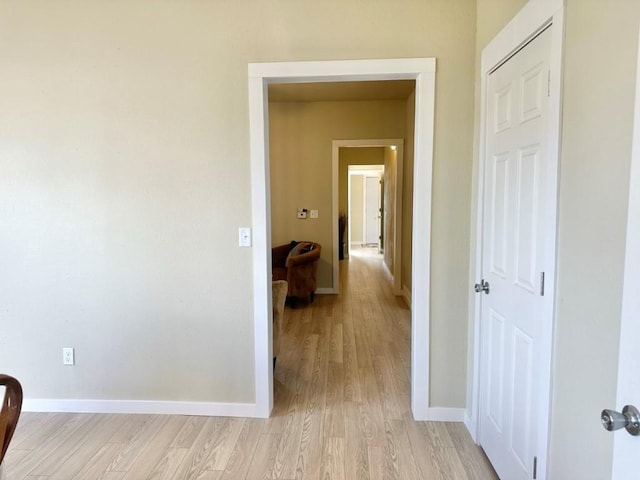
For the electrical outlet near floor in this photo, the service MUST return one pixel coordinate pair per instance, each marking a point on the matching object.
(68, 356)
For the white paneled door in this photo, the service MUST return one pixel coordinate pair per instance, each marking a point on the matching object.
(513, 258)
(626, 447)
(372, 210)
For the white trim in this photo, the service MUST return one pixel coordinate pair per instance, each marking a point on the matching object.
(421, 241)
(335, 169)
(261, 223)
(471, 425)
(342, 70)
(387, 273)
(529, 21)
(260, 74)
(324, 291)
(439, 414)
(533, 18)
(406, 295)
(140, 406)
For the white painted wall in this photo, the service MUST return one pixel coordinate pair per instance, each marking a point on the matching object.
(594, 192)
(125, 174)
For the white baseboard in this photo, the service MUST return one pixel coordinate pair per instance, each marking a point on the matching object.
(325, 291)
(438, 414)
(141, 406)
(388, 273)
(471, 426)
(441, 414)
(406, 294)
(207, 409)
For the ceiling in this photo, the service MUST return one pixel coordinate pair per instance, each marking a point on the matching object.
(341, 91)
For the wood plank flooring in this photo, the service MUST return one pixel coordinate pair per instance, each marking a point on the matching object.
(342, 411)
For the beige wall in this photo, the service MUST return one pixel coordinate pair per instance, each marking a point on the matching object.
(125, 176)
(599, 78)
(450, 229)
(356, 211)
(491, 17)
(301, 136)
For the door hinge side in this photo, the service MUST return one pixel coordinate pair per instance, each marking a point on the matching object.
(535, 468)
(542, 284)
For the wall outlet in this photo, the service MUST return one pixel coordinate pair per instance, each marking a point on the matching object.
(302, 213)
(68, 356)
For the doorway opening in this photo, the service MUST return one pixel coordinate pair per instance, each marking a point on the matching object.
(353, 156)
(364, 214)
(260, 76)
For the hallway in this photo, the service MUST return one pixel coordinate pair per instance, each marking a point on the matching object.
(342, 390)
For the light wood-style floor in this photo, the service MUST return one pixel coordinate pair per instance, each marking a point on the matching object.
(342, 411)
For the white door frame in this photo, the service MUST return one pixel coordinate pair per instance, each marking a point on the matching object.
(532, 19)
(422, 70)
(625, 448)
(335, 160)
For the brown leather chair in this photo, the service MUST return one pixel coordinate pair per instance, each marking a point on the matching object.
(11, 407)
(279, 296)
(297, 263)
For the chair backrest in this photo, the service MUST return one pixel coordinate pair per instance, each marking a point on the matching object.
(10, 412)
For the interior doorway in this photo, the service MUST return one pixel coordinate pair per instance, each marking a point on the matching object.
(354, 155)
(260, 75)
(365, 200)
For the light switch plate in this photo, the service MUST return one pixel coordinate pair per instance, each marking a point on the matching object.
(313, 214)
(244, 236)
